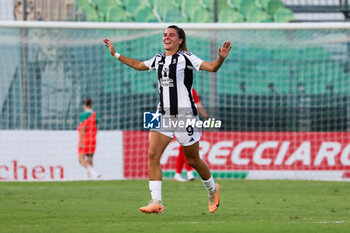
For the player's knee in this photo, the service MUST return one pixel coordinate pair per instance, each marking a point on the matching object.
(153, 155)
(192, 162)
(80, 159)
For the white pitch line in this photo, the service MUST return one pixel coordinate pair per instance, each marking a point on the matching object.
(332, 222)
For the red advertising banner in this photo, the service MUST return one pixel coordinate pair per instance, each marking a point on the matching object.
(249, 151)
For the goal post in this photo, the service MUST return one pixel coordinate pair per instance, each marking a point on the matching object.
(282, 95)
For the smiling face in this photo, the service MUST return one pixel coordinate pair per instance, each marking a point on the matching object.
(171, 40)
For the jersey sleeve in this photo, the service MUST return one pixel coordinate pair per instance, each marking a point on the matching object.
(82, 117)
(151, 63)
(82, 122)
(195, 61)
(195, 96)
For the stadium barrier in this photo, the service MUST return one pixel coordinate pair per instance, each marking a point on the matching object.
(253, 155)
(240, 155)
(52, 156)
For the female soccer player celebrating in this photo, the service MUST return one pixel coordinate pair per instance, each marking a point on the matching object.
(175, 75)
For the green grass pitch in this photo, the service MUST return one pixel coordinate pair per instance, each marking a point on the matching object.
(112, 206)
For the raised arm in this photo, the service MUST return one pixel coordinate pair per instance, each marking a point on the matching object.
(215, 65)
(137, 65)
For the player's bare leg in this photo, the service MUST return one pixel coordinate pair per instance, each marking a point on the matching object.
(194, 160)
(89, 159)
(94, 174)
(84, 161)
(190, 175)
(157, 144)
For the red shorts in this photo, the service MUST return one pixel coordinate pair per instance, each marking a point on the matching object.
(88, 148)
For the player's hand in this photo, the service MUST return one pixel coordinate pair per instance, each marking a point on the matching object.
(81, 145)
(225, 49)
(109, 45)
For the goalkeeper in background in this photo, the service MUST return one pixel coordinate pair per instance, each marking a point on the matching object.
(87, 138)
(181, 159)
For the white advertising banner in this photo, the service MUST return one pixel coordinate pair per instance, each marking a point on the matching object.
(52, 156)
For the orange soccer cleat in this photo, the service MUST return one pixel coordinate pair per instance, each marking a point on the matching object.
(154, 206)
(214, 201)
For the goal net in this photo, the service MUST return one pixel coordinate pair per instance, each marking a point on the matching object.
(282, 96)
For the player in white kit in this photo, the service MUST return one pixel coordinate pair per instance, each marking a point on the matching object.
(175, 77)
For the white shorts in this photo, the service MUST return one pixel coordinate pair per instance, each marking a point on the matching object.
(185, 134)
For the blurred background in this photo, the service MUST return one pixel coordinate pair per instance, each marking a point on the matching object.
(286, 80)
(176, 10)
(258, 76)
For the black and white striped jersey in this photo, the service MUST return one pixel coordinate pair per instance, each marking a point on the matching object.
(175, 78)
